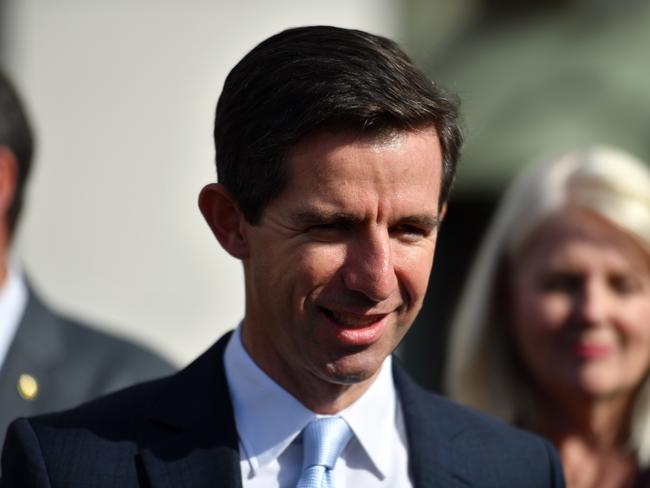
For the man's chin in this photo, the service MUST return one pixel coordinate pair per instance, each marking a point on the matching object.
(352, 370)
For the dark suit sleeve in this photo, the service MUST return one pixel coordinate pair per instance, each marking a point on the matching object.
(23, 465)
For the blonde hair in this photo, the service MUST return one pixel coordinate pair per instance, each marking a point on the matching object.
(480, 372)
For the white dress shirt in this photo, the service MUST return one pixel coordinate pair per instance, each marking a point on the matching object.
(13, 299)
(269, 421)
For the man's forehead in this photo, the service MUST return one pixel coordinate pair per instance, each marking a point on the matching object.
(398, 172)
(322, 152)
(378, 139)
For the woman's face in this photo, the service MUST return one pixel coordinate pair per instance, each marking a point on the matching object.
(581, 308)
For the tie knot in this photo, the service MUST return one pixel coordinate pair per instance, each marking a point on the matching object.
(323, 441)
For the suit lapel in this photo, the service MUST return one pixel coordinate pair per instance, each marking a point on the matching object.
(38, 345)
(201, 446)
(430, 437)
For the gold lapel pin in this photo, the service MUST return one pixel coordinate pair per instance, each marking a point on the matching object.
(27, 386)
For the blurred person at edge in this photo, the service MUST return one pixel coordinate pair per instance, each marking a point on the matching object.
(553, 328)
(47, 362)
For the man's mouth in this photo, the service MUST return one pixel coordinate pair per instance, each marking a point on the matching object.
(353, 320)
(353, 329)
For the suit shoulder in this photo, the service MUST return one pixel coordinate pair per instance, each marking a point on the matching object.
(59, 449)
(473, 422)
(431, 407)
(474, 447)
(118, 407)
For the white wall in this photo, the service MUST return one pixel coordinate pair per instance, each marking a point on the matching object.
(122, 95)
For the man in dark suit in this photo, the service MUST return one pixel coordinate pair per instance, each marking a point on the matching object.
(47, 362)
(335, 158)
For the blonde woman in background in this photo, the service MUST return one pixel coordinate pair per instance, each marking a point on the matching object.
(553, 328)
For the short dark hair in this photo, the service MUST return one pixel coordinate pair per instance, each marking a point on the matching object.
(320, 78)
(15, 134)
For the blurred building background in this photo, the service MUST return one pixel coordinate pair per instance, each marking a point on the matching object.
(122, 96)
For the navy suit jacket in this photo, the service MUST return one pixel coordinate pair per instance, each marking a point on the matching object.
(180, 432)
(72, 363)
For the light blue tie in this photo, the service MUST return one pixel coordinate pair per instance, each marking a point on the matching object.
(323, 441)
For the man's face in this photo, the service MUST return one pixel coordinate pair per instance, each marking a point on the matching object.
(339, 263)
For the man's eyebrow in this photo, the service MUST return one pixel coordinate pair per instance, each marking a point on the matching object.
(427, 221)
(311, 217)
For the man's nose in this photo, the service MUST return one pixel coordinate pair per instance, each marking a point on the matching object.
(369, 268)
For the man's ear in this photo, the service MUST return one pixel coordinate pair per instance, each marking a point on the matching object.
(224, 218)
(8, 179)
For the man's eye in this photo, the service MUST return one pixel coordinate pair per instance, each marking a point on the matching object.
(409, 232)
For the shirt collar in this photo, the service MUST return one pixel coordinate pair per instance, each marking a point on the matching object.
(373, 417)
(13, 299)
(254, 394)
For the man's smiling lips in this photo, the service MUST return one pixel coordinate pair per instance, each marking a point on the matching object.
(355, 329)
(353, 320)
